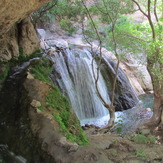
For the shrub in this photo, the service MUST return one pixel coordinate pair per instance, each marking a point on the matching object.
(139, 138)
(140, 154)
(66, 25)
(23, 58)
(4, 73)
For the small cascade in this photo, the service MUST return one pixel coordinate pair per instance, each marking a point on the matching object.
(73, 74)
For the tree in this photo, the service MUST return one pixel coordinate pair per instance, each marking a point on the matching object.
(154, 53)
(148, 39)
(120, 33)
(44, 12)
(110, 12)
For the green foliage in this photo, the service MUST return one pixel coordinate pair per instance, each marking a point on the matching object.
(140, 154)
(42, 70)
(4, 73)
(90, 32)
(61, 109)
(41, 108)
(23, 58)
(66, 25)
(20, 59)
(119, 125)
(45, 13)
(94, 10)
(69, 124)
(139, 138)
(62, 10)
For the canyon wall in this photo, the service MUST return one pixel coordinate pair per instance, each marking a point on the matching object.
(16, 29)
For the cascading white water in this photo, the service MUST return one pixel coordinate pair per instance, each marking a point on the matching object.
(72, 72)
(76, 78)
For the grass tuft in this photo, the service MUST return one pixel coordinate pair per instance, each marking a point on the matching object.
(139, 138)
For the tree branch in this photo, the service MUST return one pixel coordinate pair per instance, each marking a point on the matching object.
(155, 11)
(44, 11)
(150, 20)
(140, 8)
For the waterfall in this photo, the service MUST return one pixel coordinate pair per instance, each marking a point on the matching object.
(72, 73)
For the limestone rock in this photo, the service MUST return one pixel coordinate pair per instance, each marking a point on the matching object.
(14, 11)
(13, 22)
(43, 45)
(9, 45)
(35, 103)
(42, 33)
(145, 131)
(70, 146)
(162, 118)
(28, 39)
(29, 76)
(136, 70)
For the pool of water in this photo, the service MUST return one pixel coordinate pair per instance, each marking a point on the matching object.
(127, 120)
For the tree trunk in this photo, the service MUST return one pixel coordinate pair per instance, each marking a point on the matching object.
(112, 116)
(157, 111)
(158, 93)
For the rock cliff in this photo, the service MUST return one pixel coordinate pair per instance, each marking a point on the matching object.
(16, 30)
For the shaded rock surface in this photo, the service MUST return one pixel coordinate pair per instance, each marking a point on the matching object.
(15, 130)
(28, 39)
(20, 36)
(14, 11)
(16, 30)
(125, 97)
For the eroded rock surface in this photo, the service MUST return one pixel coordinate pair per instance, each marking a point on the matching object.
(16, 30)
(14, 11)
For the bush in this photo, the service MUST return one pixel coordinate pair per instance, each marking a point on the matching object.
(140, 154)
(139, 138)
(66, 25)
(4, 72)
(24, 58)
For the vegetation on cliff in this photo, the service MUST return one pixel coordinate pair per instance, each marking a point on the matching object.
(58, 105)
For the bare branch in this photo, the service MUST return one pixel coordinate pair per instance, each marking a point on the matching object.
(44, 11)
(148, 16)
(140, 8)
(155, 11)
(150, 20)
(94, 26)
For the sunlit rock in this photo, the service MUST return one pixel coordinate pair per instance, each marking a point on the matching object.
(35, 103)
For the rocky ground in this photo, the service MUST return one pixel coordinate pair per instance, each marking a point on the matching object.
(127, 149)
(103, 147)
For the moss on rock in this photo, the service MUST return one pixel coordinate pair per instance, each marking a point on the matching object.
(58, 105)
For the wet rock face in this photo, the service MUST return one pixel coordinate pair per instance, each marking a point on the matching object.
(15, 131)
(125, 97)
